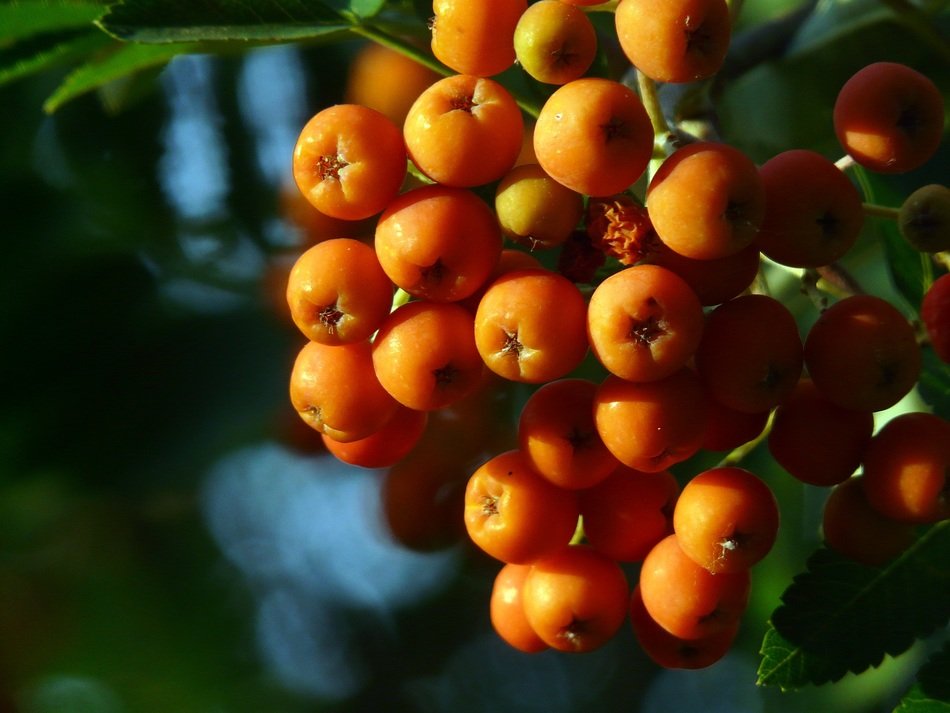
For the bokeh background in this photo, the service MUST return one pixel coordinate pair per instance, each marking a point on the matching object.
(172, 538)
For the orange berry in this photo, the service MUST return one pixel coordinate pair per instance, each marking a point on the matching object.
(464, 131)
(594, 136)
(349, 161)
(475, 37)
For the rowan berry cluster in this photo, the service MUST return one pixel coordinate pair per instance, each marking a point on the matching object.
(572, 271)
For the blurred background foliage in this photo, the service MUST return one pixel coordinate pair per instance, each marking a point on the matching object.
(171, 536)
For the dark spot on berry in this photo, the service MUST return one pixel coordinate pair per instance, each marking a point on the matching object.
(445, 375)
(329, 167)
(464, 102)
(646, 331)
(330, 317)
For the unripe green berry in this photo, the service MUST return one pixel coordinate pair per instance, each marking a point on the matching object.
(924, 219)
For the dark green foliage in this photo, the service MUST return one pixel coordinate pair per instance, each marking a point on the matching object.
(839, 616)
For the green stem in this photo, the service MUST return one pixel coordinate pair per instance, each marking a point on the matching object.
(942, 260)
(579, 538)
(398, 44)
(881, 211)
(845, 162)
(810, 278)
(737, 455)
(838, 280)
(603, 7)
(400, 298)
(651, 102)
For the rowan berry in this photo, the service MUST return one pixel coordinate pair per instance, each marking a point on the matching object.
(515, 515)
(575, 599)
(349, 161)
(889, 117)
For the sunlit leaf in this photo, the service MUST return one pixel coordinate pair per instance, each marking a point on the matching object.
(125, 60)
(840, 616)
(50, 51)
(227, 20)
(26, 18)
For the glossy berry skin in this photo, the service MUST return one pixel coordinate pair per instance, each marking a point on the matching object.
(644, 322)
(438, 243)
(674, 40)
(424, 355)
(385, 447)
(535, 210)
(555, 42)
(386, 80)
(336, 392)
(514, 514)
(594, 136)
(651, 425)
(854, 529)
(626, 514)
(924, 218)
(813, 212)
(464, 130)
(817, 441)
(671, 651)
(575, 599)
(750, 354)
(520, 336)
(687, 600)
(706, 201)
(338, 293)
(349, 161)
(862, 354)
(726, 519)
(475, 37)
(906, 466)
(556, 433)
(935, 314)
(506, 609)
(889, 117)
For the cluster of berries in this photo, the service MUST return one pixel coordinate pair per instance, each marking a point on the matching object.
(642, 344)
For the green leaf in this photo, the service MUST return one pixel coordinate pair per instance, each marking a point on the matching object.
(125, 60)
(231, 20)
(26, 18)
(49, 51)
(931, 692)
(840, 616)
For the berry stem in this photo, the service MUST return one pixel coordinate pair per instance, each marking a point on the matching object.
(579, 538)
(840, 280)
(398, 44)
(810, 278)
(880, 211)
(737, 455)
(400, 298)
(610, 6)
(654, 108)
(845, 162)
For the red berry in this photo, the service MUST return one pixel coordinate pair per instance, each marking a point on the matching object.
(935, 314)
